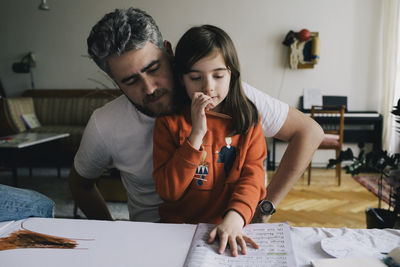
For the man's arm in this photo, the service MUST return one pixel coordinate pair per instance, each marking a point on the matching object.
(304, 136)
(88, 197)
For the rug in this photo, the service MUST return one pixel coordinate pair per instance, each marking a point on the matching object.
(372, 184)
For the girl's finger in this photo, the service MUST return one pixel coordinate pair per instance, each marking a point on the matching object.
(205, 103)
(250, 242)
(242, 244)
(212, 235)
(223, 240)
(201, 101)
(233, 246)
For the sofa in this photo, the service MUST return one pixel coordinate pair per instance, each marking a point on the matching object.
(61, 111)
(58, 111)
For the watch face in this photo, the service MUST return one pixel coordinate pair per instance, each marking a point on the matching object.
(267, 207)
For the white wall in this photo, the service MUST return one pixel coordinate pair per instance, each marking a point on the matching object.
(350, 33)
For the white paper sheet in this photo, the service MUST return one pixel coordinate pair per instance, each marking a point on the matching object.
(307, 241)
(354, 245)
(312, 97)
(108, 243)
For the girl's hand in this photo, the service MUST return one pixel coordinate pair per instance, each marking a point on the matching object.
(199, 123)
(230, 231)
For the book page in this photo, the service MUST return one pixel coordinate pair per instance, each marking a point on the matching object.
(30, 120)
(273, 239)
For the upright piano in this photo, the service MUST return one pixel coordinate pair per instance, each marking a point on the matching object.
(359, 126)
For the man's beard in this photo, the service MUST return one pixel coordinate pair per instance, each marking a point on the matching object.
(160, 109)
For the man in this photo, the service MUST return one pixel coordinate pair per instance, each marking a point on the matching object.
(128, 46)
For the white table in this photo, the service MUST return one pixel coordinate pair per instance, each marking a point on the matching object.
(22, 140)
(123, 243)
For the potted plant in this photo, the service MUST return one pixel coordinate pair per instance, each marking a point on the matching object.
(388, 166)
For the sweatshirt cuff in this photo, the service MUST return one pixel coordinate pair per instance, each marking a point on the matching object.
(243, 209)
(189, 153)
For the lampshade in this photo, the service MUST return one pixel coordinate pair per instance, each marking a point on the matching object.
(44, 6)
(25, 66)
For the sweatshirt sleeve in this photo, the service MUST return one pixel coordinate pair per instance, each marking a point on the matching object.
(174, 164)
(250, 187)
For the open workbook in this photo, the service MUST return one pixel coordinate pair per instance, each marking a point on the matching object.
(122, 243)
(275, 248)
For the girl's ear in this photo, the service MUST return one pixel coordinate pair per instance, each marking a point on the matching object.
(168, 48)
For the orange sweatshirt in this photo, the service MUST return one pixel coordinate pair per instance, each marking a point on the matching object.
(202, 185)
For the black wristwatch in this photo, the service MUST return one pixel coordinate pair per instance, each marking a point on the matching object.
(266, 207)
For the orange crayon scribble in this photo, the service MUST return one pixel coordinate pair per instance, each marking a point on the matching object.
(27, 239)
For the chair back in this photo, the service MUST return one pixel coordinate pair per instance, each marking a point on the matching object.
(331, 119)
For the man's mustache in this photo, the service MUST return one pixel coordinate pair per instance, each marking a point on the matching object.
(157, 93)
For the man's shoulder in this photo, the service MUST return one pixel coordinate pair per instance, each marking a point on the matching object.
(117, 114)
(273, 111)
(247, 87)
(254, 93)
(117, 105)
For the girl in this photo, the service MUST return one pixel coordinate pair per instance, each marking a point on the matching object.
(208, 157)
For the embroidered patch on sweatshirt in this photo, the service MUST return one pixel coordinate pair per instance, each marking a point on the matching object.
(227, 155)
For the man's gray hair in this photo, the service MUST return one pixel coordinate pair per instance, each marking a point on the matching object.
(119, 32)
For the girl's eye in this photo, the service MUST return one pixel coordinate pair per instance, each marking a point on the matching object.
(219, 74)
(195, 78)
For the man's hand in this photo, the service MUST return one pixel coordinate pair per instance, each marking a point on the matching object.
(230, 232)
(200, 102)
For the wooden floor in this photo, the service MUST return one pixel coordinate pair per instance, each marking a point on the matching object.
(324, 203)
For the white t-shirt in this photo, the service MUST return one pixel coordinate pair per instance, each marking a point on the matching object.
(118, 135)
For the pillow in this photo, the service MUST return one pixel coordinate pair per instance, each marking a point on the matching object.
(15, 107)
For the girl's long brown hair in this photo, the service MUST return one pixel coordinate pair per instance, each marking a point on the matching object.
(199, 42)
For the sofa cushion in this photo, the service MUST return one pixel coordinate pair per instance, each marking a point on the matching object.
(15, 108)
(66, 111)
